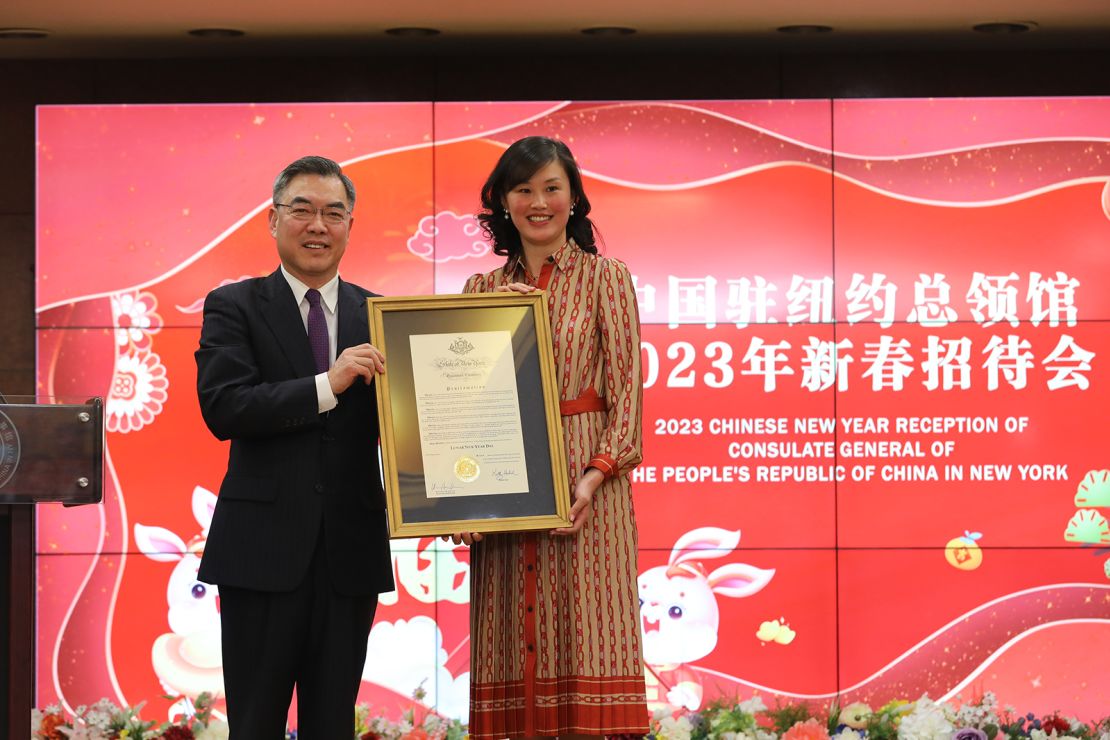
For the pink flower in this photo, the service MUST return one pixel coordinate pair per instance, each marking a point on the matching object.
(811, 729)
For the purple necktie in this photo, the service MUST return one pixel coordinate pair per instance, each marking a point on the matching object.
(317, 330)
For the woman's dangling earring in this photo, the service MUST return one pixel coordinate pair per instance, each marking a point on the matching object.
(506, 215)
(572, 210)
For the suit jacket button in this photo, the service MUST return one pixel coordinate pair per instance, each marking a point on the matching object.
(319, 488)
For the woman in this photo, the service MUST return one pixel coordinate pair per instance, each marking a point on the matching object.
(555, 635)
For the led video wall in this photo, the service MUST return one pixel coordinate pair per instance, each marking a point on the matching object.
(876, 337)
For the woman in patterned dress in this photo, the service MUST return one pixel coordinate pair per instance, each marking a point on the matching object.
(554, 626)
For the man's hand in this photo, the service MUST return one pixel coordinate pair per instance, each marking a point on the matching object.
(463, 538)
(582, 509)
(362, 360)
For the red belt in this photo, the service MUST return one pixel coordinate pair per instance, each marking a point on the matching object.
(588, 400)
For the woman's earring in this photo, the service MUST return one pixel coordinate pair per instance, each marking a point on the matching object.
(572, 210)
(506, 215)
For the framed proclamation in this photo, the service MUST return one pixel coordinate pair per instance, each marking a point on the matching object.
(471, 433)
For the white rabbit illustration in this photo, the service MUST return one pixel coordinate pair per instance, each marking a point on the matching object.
(679, 615)
(187, 660)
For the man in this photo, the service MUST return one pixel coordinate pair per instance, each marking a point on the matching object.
(298, 545)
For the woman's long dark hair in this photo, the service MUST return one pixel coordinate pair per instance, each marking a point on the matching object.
(519, 162)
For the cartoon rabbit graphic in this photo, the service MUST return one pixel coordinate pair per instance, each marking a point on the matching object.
(188, 659)
(679, 615)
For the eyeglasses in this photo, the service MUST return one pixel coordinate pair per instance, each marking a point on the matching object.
(303, 212)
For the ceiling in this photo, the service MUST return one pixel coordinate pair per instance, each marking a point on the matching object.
(124, 28)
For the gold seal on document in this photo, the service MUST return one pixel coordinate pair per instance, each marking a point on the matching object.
(466, 469)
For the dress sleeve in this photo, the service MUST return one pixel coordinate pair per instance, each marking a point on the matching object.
(620, 449)
(476, 283)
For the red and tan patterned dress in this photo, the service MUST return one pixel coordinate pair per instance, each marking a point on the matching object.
(554, 620)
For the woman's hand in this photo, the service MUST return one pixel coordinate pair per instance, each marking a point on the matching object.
(524, 288)
(582, 508)
(462, 538)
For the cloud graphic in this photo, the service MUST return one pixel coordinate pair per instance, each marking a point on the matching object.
(448, 236)
(395, 650)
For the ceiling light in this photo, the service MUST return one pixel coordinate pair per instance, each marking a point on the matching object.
(412, 31)
(803, 28)
(1004, 28)
(609, 31)
(216, 33)
(23, 33)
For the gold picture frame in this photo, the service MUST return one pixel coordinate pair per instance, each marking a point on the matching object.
(468, 409)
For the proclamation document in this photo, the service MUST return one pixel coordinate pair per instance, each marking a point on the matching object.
(468, 410)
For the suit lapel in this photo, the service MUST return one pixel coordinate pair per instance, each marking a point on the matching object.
(282, 315)
(354, 325)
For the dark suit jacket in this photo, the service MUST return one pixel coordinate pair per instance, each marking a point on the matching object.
(293, 474)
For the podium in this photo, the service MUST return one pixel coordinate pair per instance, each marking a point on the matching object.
(51, 451)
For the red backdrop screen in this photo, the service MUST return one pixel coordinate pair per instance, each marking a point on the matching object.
(876, 337)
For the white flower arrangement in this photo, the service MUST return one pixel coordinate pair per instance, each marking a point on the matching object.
(927, 721)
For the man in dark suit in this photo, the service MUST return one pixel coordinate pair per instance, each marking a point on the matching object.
(298, 544)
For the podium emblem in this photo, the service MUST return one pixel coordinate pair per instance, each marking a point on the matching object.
(9, 449)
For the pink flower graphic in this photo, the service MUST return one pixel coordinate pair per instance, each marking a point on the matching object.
(137, 393)
(448, 236)
(135, 318)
